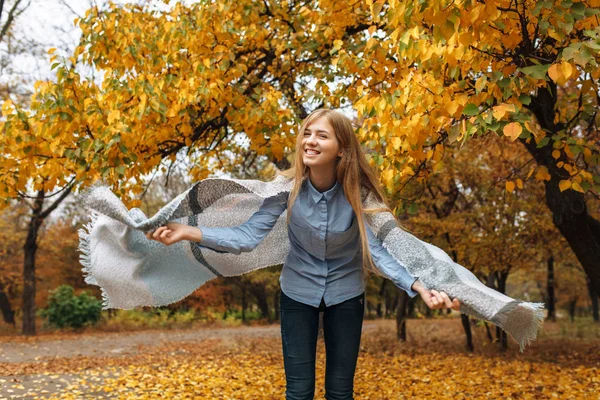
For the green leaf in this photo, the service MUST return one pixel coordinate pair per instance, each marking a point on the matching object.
(525, 99)
(582, 57)
(543, 142)
(536, 71)
(120, 170)
(471, 109)
(413, 208)
(494, 127)
(504, 82)
(578, 10)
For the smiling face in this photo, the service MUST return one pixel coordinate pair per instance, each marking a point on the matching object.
(320, 146)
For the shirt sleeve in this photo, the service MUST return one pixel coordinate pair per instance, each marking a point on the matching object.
(245, 237)
(388, 264)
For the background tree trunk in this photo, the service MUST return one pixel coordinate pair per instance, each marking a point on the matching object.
(30, 249)
(260, 294)
(8, 313)
(464, 318)
(276, 304)
(550, 290)
(594, 300)
(381, 296)
(501, 278)
(572, 308)
(401, 315)
(244, 304)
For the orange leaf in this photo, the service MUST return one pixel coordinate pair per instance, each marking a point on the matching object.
(512, 130)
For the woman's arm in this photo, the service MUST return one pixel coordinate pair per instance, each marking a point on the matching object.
(398, 274)
(235, 239)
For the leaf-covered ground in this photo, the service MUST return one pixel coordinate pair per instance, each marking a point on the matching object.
(240, 365)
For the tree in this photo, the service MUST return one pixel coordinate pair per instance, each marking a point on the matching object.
(421, 75)
(439, 72)
(467, 210)
(28, 164)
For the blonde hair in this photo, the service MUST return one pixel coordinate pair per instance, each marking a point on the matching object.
(352, 171)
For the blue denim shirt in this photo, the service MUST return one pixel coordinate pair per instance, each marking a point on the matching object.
(325, 258)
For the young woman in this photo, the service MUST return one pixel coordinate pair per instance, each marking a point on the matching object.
(329, 244)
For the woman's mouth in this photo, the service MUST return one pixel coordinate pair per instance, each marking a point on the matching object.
(311, 152)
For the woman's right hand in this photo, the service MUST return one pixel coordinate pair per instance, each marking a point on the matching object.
(174, 232)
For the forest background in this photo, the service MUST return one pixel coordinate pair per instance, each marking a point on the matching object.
(479, 116)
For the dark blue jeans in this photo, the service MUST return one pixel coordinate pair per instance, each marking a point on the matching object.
(342, 325)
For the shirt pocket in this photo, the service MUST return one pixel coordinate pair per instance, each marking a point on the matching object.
(302, 234)
(337, 239)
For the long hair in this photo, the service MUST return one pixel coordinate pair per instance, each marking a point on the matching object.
(352, 171)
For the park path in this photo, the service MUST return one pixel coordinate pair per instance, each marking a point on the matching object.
(127, 343)
(38, 350)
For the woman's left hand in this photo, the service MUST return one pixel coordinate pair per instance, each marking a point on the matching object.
(434, 299)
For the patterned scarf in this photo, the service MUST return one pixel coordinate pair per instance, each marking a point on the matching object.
(132, 270)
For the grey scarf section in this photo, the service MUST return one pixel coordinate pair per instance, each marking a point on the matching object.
(132, 270)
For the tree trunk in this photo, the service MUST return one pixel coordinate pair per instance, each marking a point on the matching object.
(569, 209)
(488, 331)
(7, 312)
(260, 294)
(244, 304)
(393, 301)
(401, 316)
(428, 312)
(411, 307)
(380, 297)
(550, 290)
(572, 308)
(501, 278)
(276, 304)
(594, 299)
(30, 249)
(464, 318)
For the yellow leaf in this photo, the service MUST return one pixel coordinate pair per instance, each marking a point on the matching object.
(114, 116)
(510, 186)
(512, 130)
(567, 70)
(555, 154)
(564, 185)
(452, 107)
(500, 110)
(555, 73)
(519, 183)
(576, 187)
(542, 174)
(51, 50)
(480, 83)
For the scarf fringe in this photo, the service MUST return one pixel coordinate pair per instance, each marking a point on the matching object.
(85, 256)
(521, 320)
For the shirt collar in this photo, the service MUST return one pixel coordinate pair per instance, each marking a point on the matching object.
(316, 195)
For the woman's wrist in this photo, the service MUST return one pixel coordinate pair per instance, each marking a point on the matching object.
(194, 234)
(417, 286)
